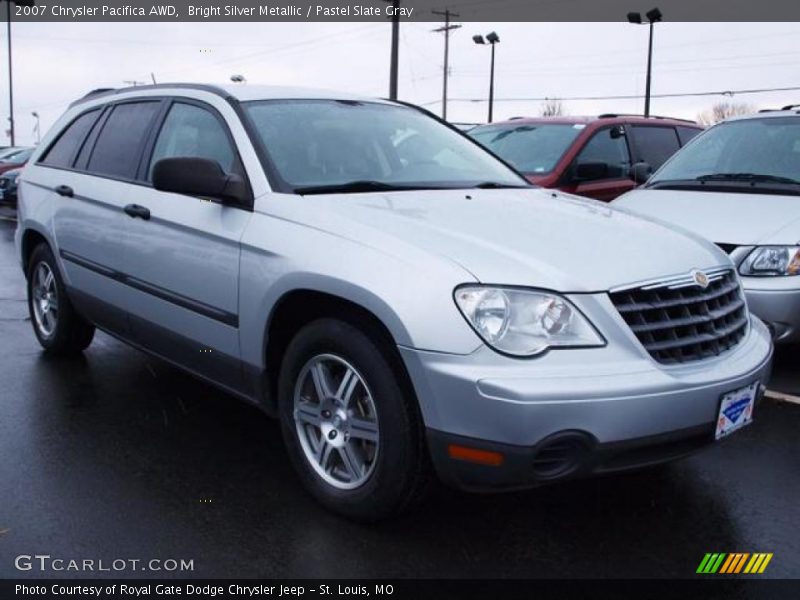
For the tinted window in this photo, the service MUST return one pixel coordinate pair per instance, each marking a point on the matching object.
(116, 151)
(63, 151)
(612, 151)
(530, 147)
(655, 145)
(687, 133)
(193, 132)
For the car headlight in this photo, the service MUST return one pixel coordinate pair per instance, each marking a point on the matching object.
(766, 261)
(524, 322)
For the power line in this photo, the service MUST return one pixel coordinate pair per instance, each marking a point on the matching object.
(629, 96)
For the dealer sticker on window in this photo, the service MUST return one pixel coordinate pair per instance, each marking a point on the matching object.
(736, 410)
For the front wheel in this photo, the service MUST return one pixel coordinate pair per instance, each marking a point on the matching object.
(352, 431)
(59, 329)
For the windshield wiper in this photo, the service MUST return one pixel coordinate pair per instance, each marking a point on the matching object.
(508, 132)
(748, 177)
(494, 185)
(354, 187)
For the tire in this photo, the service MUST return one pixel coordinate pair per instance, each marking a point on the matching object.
(59, 329)
(369, 438)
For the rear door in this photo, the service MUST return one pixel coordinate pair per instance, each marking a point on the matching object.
(182, 258)
(92, 165)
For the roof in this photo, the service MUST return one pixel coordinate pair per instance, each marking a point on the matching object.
(241, 92)
(605, 118)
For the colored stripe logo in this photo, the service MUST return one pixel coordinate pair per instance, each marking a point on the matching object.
(733, 563)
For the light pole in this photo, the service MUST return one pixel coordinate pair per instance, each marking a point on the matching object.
(10, 71)
(653, 16)
(35, 115)
(492, 39)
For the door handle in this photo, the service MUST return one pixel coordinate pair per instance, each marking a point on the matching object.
(65, 190)
(135, 210)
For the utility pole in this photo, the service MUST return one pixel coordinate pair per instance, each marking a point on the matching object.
(446, 28)
(395, 52)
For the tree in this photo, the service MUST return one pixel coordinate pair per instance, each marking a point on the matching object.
(552, 107)
(724, 110)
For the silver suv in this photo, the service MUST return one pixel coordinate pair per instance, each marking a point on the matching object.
(398, 296)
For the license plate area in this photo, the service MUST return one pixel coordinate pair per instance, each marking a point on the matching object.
(736, 410)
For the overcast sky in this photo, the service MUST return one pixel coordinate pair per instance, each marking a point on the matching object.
(56, 63)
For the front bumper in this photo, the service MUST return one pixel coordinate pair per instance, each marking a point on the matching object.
(776, 301)
(614, 407)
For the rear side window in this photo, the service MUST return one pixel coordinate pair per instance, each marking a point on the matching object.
(62, 152)
(118, 147)
(687, 133)
(654, 145)
(191, 131)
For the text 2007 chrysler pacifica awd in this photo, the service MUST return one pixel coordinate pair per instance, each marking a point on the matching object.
(398, 296)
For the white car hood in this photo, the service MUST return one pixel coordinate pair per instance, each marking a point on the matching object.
(529, 237)
(722, 217)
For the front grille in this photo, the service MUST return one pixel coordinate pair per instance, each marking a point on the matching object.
(678, 321)
(3, 183)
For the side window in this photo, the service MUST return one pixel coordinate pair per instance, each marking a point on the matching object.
(62, 152)
(191, 131)
(116, 152)
(687, 133)
(608, 149)
(655, 145)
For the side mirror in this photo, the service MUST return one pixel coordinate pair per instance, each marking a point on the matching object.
(590, 171)
(640, 172)
(198, 177)
(617, 132)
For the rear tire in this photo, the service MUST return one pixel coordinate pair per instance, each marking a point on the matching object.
(60, 330)
(352, 430)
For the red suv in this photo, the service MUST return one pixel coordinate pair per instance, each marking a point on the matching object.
(600, 157)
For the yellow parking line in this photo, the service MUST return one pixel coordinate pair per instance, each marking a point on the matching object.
(780, 396)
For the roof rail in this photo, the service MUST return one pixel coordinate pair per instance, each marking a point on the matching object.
(616, 115)
(191, 86)
(790, 106)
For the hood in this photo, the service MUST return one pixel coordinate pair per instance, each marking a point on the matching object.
(527, 237)
(722, 217)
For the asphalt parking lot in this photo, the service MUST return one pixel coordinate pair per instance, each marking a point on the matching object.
(118, 455)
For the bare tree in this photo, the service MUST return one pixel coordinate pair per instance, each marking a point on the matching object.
(552, 107)
(723, 110)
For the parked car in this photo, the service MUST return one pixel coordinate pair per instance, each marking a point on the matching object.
(9, 150)
(15, 159)
(599, 157)
(738, 185)
(393, 312)
(8, 186)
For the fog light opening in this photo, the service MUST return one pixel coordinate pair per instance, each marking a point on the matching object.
(561, 455)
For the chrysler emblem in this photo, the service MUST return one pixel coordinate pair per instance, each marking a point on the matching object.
(700, 278)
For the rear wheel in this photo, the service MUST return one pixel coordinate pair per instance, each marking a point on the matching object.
(59, 329)
(352, 431)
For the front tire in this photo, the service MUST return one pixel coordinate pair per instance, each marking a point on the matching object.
(351, 428)
(59, 329)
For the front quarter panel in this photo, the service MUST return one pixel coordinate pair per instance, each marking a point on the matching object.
(412, 295)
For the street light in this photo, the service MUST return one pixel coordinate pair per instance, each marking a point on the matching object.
(492, 39)
(653, 16)
(10, 73)
(35, 115)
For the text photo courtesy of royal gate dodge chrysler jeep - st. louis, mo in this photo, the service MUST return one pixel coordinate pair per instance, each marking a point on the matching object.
(400, 298)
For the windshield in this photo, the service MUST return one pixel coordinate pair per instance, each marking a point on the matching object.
(340, 146)
(533, 148)
(752, 152)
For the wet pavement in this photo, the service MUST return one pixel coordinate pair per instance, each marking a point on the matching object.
(120, 456)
